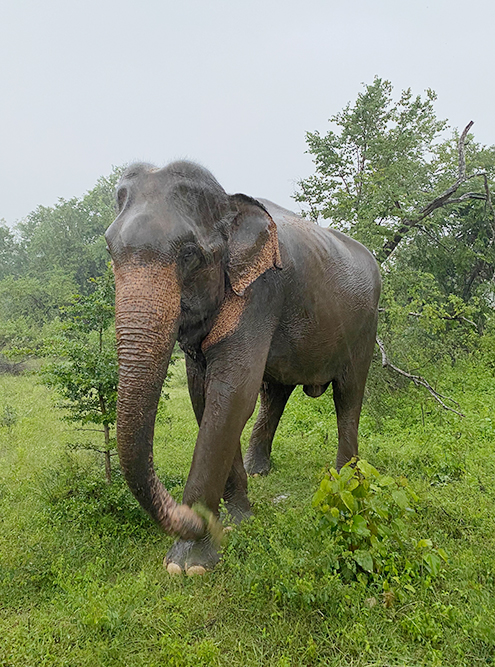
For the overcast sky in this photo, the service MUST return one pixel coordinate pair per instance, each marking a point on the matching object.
(232, 84)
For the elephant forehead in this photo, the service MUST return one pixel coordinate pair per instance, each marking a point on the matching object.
(158, 227)
(148, 224)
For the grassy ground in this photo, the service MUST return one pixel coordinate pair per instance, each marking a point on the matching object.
(81, 575)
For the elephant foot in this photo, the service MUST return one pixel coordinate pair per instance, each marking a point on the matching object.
(192, 557)
(237, 508)
(256, 462)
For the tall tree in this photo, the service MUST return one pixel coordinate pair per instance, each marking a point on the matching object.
(68, 237)
(386, 174)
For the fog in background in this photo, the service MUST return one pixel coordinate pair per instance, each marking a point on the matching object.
(232, 84)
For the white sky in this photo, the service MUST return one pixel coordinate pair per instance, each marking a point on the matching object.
(233, 84)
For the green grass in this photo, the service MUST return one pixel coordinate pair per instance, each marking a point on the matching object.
(81, 575)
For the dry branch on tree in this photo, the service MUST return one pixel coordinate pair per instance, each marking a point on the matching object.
(444, 199)
(418, 380)
(445, 316)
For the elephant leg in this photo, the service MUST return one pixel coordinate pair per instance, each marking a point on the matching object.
(196, 556)
(273, 399)
(233, 377)
(235, 492)
(348, 392)
(196, 374)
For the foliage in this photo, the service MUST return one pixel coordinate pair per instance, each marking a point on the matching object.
(369, 515)
(46, 258)
(11, 259)
(68, 237)
(28, 307)
(83, 368)
(377, 167)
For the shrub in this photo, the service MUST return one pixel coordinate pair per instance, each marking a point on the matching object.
(368, 515)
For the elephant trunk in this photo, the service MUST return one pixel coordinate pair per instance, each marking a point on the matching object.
(147, 308)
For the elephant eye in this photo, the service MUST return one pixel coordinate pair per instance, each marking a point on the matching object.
(190, 258)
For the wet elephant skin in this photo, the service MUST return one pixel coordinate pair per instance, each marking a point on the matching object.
(260, 301)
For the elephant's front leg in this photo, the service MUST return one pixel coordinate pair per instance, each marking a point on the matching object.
(233, 378)
(235, 492)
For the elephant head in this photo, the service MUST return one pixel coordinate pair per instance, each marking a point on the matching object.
(178, 245)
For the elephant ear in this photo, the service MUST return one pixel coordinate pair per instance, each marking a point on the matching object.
(253, 243)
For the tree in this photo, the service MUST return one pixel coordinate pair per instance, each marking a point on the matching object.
(51, 254)
(377, 167)
(68, 237)
(386, 174)
(83, 365)
(11, 260)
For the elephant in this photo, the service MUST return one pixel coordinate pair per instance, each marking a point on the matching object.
(260, 300)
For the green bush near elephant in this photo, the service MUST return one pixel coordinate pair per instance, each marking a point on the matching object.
(370, 516)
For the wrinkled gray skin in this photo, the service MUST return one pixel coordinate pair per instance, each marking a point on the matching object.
(260, 301)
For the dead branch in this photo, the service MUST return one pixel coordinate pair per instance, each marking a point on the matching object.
(442, 200)
(418, 380)
(489, 205)
(90, 447)
(450, 318)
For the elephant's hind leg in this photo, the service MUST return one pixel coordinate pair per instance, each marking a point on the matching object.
(273, 399)
(348, 392)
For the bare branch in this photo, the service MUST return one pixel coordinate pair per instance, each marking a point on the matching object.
(467, 195)
(438, 202)
(450, 318)
(417, 379)
(489, 206)
(441, 317)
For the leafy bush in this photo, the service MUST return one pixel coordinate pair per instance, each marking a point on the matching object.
(368, 513)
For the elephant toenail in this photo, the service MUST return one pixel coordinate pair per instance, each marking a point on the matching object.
(195, 569)
(173, 568)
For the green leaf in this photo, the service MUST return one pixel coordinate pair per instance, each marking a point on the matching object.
(348, 500)
(352, 484)
(318, 498)
(386, 480)
(360, 526)
(423, 544)
(433, 563)
(412, 495)
(363, 559)
(346, 473)
(326, 485)
(400, 497)
(367, 469)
